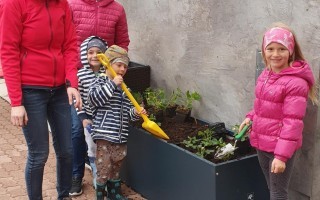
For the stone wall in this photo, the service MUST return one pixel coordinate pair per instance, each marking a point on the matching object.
(210, 46)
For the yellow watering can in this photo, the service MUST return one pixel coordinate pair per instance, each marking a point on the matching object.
(149, 125)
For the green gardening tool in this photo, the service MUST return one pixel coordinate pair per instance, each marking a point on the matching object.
(149, 125)
(229, 148)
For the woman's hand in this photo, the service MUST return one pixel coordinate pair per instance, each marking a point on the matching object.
(277, 166)
(86, 122)
(74, 93)
(118, 80)
(19, 116)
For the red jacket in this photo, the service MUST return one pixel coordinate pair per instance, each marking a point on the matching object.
(104, 18)
(37, 45)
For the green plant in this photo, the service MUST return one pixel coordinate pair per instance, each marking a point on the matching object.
(155, 98)
(204, 143)
(172, 100)
(185, 100)
(138, 97)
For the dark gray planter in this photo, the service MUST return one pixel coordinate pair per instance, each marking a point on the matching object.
(159, 170)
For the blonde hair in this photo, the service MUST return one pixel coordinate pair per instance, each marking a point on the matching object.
(296, 55)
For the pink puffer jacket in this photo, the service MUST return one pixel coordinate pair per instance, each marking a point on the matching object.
(279, 108)
(103, 18)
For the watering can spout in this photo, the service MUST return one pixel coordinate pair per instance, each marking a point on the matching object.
(149, 125)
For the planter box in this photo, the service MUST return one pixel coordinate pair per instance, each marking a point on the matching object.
(159, 170)
(137, 77)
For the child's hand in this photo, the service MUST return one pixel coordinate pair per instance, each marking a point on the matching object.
(143, 111)
(118, 80)
(86, 122)
(277, 166)
(245, 122)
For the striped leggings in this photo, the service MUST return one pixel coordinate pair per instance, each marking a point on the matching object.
(278, 184)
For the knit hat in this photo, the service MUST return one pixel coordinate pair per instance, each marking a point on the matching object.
(95, 42)
(117, 54)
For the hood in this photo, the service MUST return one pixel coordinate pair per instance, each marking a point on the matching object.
(83, 51)
(300, 68)
(98, 2)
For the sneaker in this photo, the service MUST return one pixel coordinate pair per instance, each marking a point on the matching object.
(76, 188)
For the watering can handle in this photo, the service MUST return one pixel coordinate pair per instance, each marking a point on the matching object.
(105, 61)
(242, 132)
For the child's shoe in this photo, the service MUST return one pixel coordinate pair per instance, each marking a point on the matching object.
(101, 191)
(114, 190)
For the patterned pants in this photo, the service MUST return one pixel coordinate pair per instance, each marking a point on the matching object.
(109, 159)
(278, 184)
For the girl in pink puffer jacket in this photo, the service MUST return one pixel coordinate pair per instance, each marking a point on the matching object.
(280, 104)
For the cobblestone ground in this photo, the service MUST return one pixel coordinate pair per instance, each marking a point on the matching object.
(13, 153)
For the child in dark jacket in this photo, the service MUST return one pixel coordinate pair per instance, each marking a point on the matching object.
(112, 112)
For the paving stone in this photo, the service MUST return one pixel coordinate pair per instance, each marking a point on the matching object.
(16, 191)
(10, 166)
(5, 159)
(5, 196)
(3, 173)
(13, 153)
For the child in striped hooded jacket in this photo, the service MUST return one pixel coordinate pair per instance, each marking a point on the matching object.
(111, 114)
(91, 68)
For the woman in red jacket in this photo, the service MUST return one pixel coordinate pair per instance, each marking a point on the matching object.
(107, 20)
(39, 57)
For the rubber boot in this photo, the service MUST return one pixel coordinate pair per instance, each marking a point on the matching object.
(114, 190)
(100, 191)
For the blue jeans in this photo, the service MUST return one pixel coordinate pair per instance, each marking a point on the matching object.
(44, 105)
(79, 145)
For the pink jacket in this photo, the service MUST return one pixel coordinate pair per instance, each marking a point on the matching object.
(279, 109)
(104, 18)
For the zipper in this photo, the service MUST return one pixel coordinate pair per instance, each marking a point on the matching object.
(121, 119)
(23, 57)
(104, 119)
(49, 46)
(262, 87)
(96, 17)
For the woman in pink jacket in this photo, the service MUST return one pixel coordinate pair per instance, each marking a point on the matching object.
(279, 108)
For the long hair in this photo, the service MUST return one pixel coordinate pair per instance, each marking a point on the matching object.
(296, 55)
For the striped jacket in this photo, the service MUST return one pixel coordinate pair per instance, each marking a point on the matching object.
(85, 78)
(112, 111)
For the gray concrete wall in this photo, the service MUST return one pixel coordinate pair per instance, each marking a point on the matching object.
(210, 46)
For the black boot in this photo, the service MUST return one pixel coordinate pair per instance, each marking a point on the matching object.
(101, 191)
(114, 190)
